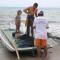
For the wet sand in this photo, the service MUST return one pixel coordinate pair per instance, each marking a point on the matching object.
(53, 54)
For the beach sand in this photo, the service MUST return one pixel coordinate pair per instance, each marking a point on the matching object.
(53, 54)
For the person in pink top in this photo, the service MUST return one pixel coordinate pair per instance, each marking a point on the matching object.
(40, 25)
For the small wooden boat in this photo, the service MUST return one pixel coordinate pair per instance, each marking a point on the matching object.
(22, 43)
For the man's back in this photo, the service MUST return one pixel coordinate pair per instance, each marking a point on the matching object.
(41, 24)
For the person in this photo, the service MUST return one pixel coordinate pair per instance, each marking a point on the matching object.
(40, 25)
(17, 21)
(31, 12)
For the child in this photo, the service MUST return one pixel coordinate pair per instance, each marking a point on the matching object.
(40, 24)
(30, 11)
(17, 21)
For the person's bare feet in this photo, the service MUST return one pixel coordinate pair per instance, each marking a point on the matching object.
(17, 35)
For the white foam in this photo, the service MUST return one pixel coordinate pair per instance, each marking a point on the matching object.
(51, 42)
(22, 28)
(54, 29)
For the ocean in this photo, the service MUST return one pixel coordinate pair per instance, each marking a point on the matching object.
(7, 14)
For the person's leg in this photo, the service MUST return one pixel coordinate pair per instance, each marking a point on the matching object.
(17, 34)
(37, 44)
(17, 27)
(32, 32)
(32, 20)
(45, 50)
(44, 42)
(28, 25)
(38, 51)
(28, 29)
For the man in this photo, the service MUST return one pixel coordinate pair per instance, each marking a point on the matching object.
(40, 25)
(31, 12)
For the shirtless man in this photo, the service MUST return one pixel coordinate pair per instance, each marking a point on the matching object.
(31, 12)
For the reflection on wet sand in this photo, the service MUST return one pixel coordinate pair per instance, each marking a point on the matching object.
(53, 54)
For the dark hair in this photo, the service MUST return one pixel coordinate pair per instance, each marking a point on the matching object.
(36, 4)
(19, 12)
(41, 13)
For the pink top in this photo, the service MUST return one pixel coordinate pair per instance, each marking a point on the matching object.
(40, 31)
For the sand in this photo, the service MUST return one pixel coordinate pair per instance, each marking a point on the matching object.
(53, 54)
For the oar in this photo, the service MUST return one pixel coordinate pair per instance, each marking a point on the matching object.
(17, 53)
(14, 45)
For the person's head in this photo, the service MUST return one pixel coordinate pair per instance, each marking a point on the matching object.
(35, 5)
(41, 13)
(19, 12)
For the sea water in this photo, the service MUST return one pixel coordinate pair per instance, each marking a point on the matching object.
(7, 14)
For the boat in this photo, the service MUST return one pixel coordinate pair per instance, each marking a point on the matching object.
(8, 40)
(21, 43)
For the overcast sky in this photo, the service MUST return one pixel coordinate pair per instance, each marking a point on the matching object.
(24, 3)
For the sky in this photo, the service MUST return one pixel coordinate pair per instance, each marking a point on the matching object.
(25, 3)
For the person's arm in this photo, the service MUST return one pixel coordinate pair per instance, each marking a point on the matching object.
(36, 13)
(34, 24)
(26, 10)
